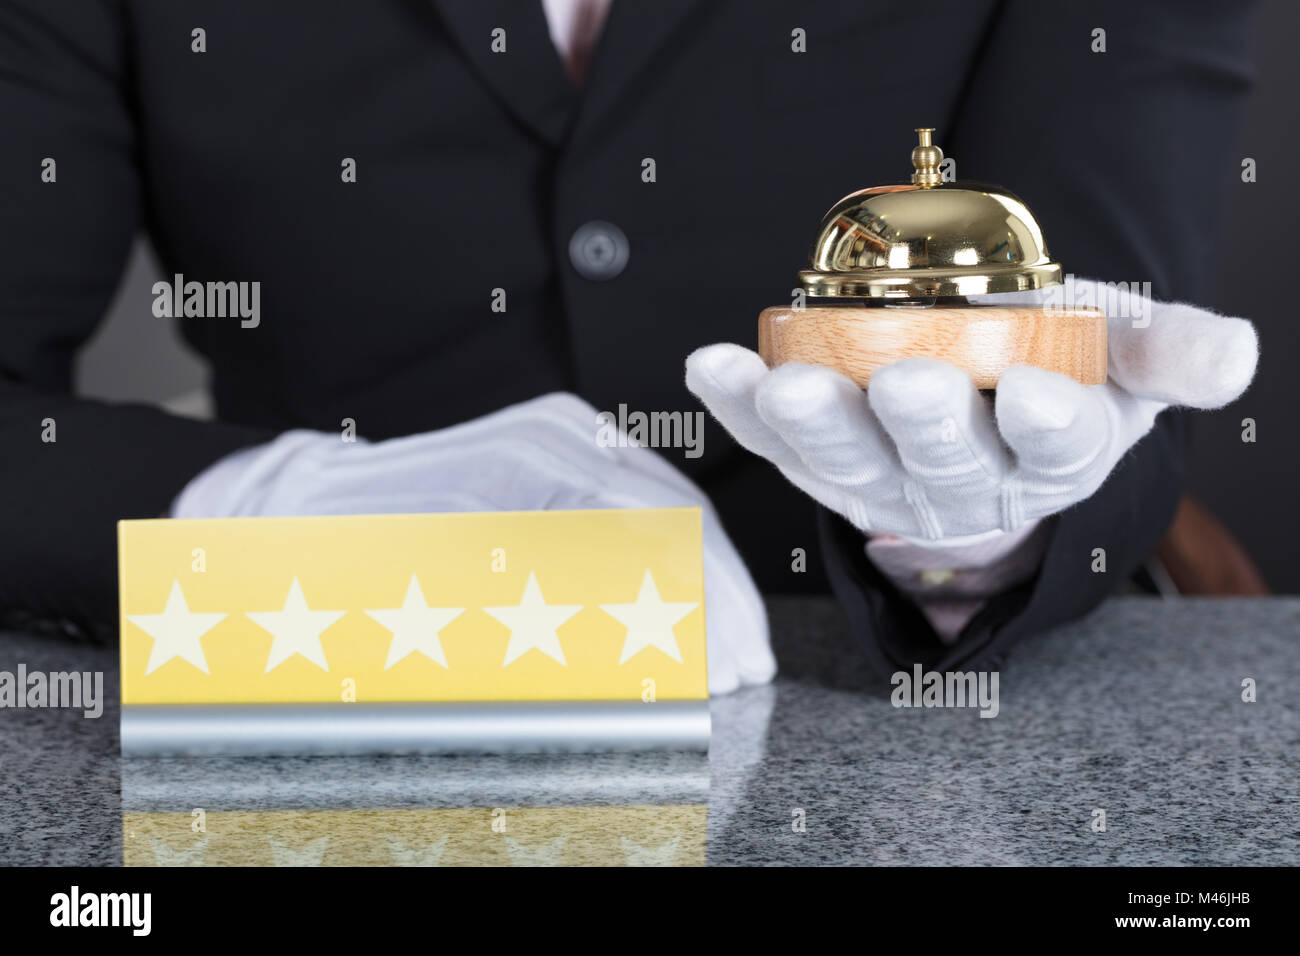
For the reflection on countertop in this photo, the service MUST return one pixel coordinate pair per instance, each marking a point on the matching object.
(1136, 711)
(531, 836)
(561, 809)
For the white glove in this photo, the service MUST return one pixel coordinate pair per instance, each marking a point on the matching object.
(540, 454)
(922, 456)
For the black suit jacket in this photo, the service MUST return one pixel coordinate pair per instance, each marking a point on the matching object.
(474, 168)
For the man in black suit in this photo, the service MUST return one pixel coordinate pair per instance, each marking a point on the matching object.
(383, 168)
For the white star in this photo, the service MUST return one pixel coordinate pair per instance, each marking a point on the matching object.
(649, 621)
(431, 855)
(662, 855)
(192, 855)
(532, 623)
(296, 628)
(176, 632)
(548, 855)
(415, 626)
(310, 855)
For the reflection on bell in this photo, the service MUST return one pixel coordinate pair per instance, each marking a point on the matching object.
(912, 253)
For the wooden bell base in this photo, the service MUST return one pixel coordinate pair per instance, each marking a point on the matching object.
(983, 341)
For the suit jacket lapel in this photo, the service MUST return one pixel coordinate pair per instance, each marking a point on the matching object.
(634, 31)
(528, 77)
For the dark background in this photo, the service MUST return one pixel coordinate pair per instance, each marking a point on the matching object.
(1252, 491)
(137, 357)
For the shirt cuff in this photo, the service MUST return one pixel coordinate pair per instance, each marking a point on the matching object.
(950, 580)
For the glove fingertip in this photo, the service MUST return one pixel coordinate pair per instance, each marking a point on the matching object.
(1030, 398)
(909, 386)
(1206, 362)
(1239, 358)
(723, 368)
(795, 391)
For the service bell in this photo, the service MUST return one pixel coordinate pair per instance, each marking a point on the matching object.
(889, 276)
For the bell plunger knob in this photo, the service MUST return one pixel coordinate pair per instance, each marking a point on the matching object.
(926, 159)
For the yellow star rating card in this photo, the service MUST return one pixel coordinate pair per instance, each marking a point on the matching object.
(520, 630)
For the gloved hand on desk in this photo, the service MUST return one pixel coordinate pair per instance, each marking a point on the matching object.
(540, 454)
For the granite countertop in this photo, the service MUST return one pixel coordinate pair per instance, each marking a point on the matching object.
(1136, 711)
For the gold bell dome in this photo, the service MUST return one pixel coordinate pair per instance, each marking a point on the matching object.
(928, 239)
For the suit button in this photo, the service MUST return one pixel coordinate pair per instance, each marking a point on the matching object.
(598, 251)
